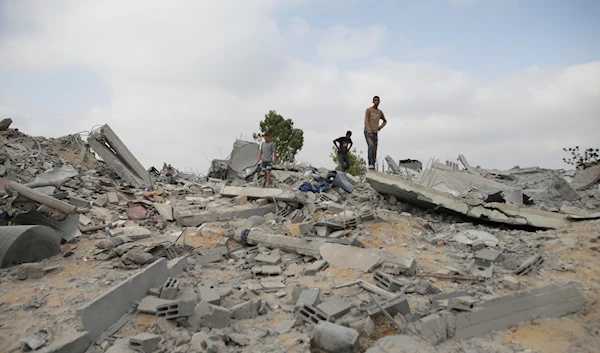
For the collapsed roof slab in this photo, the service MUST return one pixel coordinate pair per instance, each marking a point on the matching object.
(425, 197)
(264, 193)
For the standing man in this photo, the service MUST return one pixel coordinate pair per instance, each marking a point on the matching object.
(343, 145)
(267, 157)
(372, 117)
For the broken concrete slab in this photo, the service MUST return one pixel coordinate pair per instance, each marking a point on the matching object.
(113, 199)
(435, 328)
(315, 267)
(401, 344)
(425, 197)
(498, 314)
(211, 316)
(276, 241)
(533, 263)
(76, 343)
(209, 294)
(586, 178)
(350, 257)
(308, 297)
(273, 258)
(262, 193)
(246, 310)
(284, 326)
(197, 219)
(488, 254)
(394, 306)
(109, 307)
(565, 190)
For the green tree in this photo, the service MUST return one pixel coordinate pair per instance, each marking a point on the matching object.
(288, 140)
(578, 160)
(358, 165)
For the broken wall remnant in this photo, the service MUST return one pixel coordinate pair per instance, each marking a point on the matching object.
(586, 178)
(425, 197)
(118, 157)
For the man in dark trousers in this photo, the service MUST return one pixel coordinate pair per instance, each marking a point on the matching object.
(372, 128)
(343, 145)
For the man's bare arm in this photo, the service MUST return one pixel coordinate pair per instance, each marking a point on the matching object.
(259, 156)
(384, 121)
(367, 127)
(274, 158)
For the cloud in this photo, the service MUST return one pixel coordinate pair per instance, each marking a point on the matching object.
(184, 80)
(342, 42)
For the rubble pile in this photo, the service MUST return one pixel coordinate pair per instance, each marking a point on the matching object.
(118, 258)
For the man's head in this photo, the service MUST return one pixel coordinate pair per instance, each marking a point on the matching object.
(348, 134)
(376, 101)
(267, 137)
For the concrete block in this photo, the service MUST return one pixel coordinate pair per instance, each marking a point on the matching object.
(101, 201)
(169, 289)
(145, 342)
(308, 297)
(148, 304)
(79, 202)
(296, 293)
(315, 267)
(488, 254)
(211, 316)
(394, 306)
(240, 200)
(209, 294)
(408, 264)
(247, 310)
(261, 202)
(273, 258)
(222, 242)
(387, 282)
(174, 310)
(511, 283)
(367, 215)
(478, 244)
(499, 314)
(269, 270)
(311, 314)
(76, 343)
(109, 307)
(30, 270)
(177, 265)
(432, 328)
(112, 197)
(209, 256)
(478, 267)
(335, 307)
(532, 264)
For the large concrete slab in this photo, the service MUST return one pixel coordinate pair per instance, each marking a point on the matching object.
(105, 310)
(123, 152)
(425, 197)
(498, 314)
(198, 219)
(264, 193)
(586, 178)
(351, 257)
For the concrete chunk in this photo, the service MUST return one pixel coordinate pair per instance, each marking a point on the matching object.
(247, 310)
(209, 294)
(511, 283)
(32, 270)
(488, 254)
(112, 197)
(308, 297)
(209, 256)
(335, 307)
(145, 342)
(211, 316)
(273, 258)
(76, 343)
(315, 267)
(394, 306)
(79, 202)
(350, 257)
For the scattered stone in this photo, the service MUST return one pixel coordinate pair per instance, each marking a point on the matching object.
(31, 271)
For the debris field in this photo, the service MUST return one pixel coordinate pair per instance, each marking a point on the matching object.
(100, 254)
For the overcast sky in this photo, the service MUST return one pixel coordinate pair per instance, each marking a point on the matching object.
(504, 82)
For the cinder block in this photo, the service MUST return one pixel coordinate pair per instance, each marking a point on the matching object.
(182, 308)
(488, 254)
(209, 294)
(311, 314)
(308, 297)
(149, 304)
(240, 200)
(511, 282)
(478, 267)
(530, 265)
(367, 215)
(145, 342)
(394, 306)
(169, 289)
(387, 282)
(315, 267)
(335, 307)
(222, 242)
(105, 310)
(79, 202)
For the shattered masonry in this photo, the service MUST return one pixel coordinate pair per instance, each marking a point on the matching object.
(117, 258)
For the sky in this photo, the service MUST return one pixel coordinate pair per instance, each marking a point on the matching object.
(503, 82)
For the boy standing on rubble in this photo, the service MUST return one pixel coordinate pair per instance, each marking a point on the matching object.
(372, 117)
(267, 157)
(343, 145)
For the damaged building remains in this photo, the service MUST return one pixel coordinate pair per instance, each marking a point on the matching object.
(99, 253)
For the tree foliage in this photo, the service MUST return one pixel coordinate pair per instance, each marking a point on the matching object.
(288, 140)
(358, 165)
(578, 160)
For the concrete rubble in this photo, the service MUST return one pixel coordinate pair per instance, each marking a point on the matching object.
(107, 256)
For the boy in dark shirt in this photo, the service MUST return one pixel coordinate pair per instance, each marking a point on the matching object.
(343, 145)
